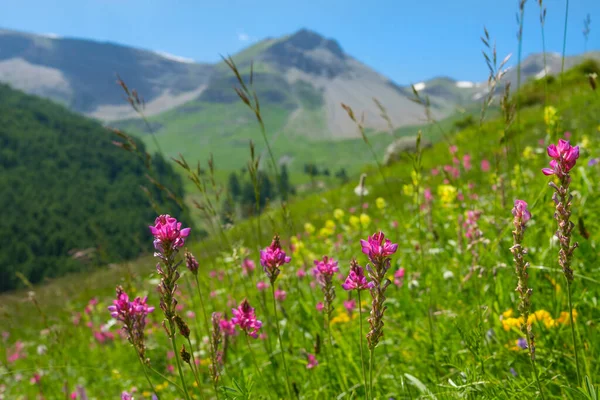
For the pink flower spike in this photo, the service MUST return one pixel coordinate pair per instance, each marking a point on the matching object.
(521, 213)
(564, 157)
(350, 305)
(552, 151)
(399, 277)
(312, 361)
(168, 234)
(280, 295)
(356, 279)
(245, 318)
(272, 258)
(377, 247)
(228, 327)
(485, 165)
(248, 266)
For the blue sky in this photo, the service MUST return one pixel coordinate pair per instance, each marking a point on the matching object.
(408, 41)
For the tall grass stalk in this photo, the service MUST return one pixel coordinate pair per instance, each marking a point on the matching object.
(148, 378)
(572, 323)
(542, 25)
(362, 357)
(361, 128)
(248, 95)
(287, 373)
(177, 361)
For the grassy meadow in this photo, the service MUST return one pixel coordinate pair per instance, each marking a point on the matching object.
(452, 326)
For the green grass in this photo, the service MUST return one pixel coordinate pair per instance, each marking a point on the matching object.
(444, 338)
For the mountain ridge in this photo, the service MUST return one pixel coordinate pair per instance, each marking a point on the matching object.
(305, 74)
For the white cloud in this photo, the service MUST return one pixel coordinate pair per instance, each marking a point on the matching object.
(419, 86)
(243, 37)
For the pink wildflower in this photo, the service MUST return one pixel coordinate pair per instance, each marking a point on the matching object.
(126, 396)
(485, 165)
(168, 235)
(272, 258)
(301, 273)
(520, 212)
(260, 285)
(320, 306)
(191, 263)
(228, 327)
(133, 316)
(312, 361)
(435, 172)
(35, 379)
(428, 196)
(245, 318)
(325, 268)
(399, 277)
(280, 295)
(377, 247)
(467, 162)
(350, 306)
(248, 266)
(356, 279)
(564, 156)
(453, 149)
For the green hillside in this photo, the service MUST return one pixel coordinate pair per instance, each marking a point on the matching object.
(71, 199)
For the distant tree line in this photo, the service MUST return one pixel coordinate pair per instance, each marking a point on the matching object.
(241, 197)
(70, 198)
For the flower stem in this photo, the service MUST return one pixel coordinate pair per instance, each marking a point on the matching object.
(362, 358)
(148, 378)
(174, 343)
(212, 349)
(371, 351)
(535, 372)
(258, 370)
(165, 378)
(193, 365)
(573, 331)
(287, 374)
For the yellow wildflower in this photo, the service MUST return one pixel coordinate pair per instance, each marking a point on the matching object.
(354, 221)
(585, 142)
(508, 323)
(446, 193)
(528, 153)
(380, 203)
(146, 393)
(309, 228)
(329, 224)
(365, 220)
(564, 318)
(340, 318)
(550, 118)
(408, 190)
(324, 232)
(542, 316)
(297, 245)
(338, 214)
(508, 313)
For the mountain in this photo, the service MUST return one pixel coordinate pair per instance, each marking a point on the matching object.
(300, 79)
(70, 198)
(81, 74)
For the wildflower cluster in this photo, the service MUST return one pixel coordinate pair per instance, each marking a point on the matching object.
(378, 249)
(133, 316)
(324, 271)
